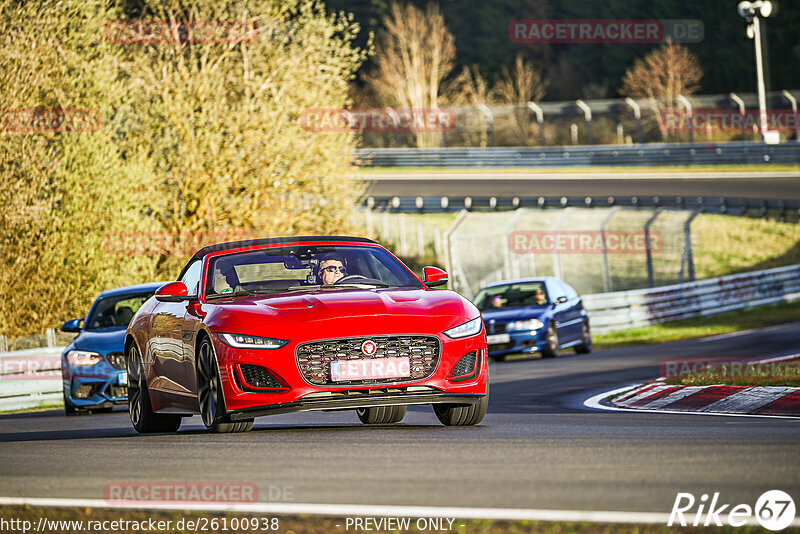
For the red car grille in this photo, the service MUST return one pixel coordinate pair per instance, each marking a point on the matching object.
(314, 359)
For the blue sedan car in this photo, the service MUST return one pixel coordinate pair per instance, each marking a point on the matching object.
(533, 315)
(93, 365)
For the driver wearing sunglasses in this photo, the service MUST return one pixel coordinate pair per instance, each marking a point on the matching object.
(331, 270)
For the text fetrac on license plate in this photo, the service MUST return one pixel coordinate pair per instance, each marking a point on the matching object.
(370, 368)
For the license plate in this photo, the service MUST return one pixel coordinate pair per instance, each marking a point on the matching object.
(366, 369)
(494, 339)
(122, 378)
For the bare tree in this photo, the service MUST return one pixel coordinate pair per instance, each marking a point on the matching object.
(414, 52)
(661, 76)
(520, 85)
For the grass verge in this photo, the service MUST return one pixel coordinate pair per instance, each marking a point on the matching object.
(682, 329)
(221, 523)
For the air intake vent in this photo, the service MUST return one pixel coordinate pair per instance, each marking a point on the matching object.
(466, 366)
(258, 377)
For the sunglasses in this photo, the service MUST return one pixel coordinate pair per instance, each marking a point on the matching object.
(334, 268)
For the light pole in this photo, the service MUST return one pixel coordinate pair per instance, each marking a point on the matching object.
(753, 12)
(793, 101)
(688, 105)
(540, 119)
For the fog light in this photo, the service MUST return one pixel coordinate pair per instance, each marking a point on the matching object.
(84, 391)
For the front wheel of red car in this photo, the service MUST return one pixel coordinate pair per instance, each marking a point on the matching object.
(144, 420)
(209, 394)
(381, 415)
(462, 414)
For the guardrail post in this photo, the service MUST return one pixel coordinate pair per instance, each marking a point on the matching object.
(606, 271)
(687, 258)
(587, 114)
(648, 251)
(540, 119)
(449, 256)
(396, 118)
(556, 255)
(637, 114)
(3, 343)
(51, 337)
(793, 101)
(690, 115)
(490, 118)
(742, 113)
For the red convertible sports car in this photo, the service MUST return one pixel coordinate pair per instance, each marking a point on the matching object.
(280, 325)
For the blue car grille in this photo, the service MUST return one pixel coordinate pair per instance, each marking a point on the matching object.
(496, 328)
(314, 359)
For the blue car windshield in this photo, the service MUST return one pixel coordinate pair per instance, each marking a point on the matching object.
(116, 310)
(512, 296)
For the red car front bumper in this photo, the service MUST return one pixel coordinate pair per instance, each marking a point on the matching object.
(296, 393)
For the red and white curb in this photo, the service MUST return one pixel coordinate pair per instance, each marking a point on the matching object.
(658, 396)
(724, 399)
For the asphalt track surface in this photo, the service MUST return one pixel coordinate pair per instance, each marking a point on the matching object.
(538, 448)
(752, 185)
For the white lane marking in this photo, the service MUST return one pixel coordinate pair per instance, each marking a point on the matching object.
(349, 510)
(594, 402)
(748, 400)
(746, 332)
(572, 176)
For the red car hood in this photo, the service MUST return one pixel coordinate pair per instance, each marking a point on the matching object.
(340, 313)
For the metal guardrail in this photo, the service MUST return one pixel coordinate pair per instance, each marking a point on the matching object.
(641, 307)
(30, 378)
(784, 210)
(610, 155)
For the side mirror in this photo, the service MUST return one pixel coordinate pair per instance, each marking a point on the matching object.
(172, 292)
(434, 276)
(73, 325)
(560, 300)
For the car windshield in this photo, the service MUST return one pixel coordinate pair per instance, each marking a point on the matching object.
(512, 296)
(117, 310)
(293, 268)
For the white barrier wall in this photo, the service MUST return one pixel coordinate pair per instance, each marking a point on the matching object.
(30, 378)
(640, 307)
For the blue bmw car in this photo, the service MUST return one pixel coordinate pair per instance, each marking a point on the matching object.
(533, 315)
(93, 365)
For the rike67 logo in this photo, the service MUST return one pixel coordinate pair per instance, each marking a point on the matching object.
(774, 510)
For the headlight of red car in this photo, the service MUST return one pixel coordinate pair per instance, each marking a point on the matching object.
(470, 328)
(241, 341)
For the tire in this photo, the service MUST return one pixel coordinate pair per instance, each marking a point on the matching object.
(586, 340)
(381, 415)
(210, 396)
(551, 349)
(144, 420)
(500, 358)
(69, 409)
(461, 414)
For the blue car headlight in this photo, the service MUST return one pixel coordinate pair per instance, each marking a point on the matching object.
(470, 328)
(83, 358)
(529, 324)
(241, 341)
